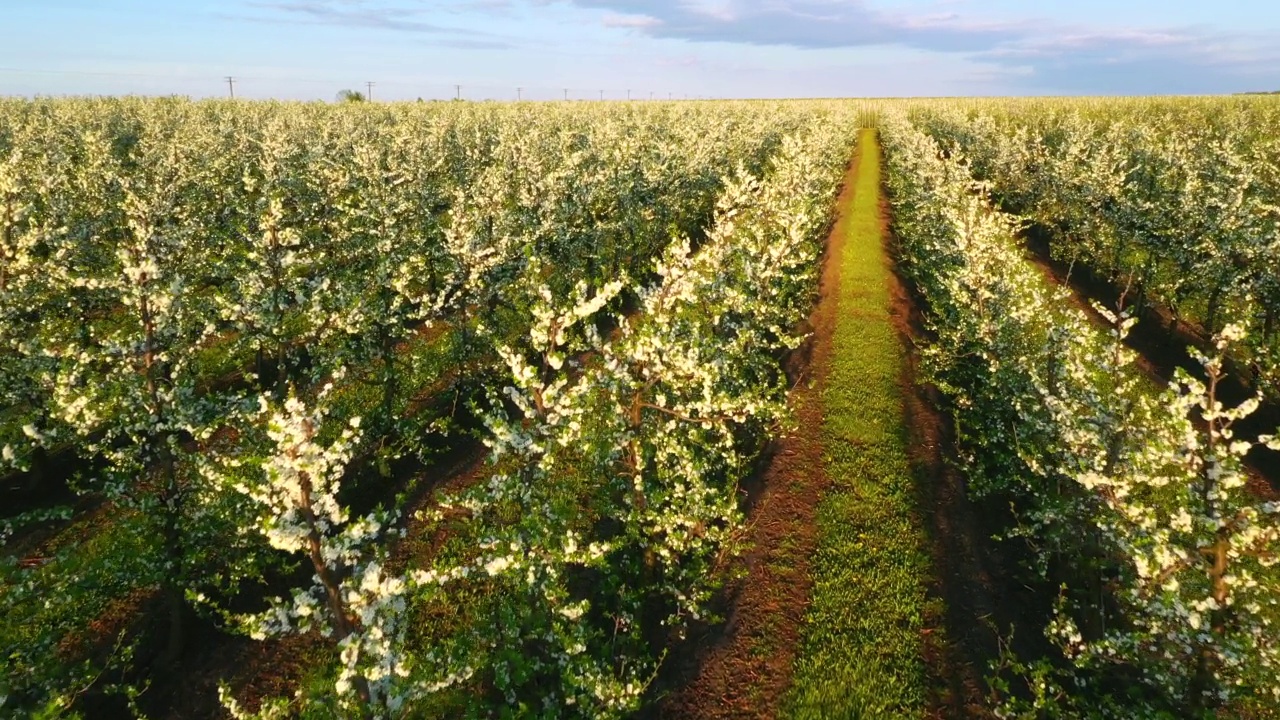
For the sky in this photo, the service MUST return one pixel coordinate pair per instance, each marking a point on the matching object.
(592, 49)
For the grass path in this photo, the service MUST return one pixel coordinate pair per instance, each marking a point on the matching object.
(863, 648)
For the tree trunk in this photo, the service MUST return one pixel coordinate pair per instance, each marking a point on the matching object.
(1140, 304)
(174, 552)
(175, 640)
(258, 356)
(170, 495)
(39, 469)
(1203, 681)
(8, 243)
(332, 583)
(389, 379)
(1212, 311)
(283, 374)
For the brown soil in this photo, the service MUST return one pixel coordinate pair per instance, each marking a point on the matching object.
(742, 667)
(254, 670)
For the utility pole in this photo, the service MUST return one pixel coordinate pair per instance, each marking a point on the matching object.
(670, 95)
(601, 95)
(650, 94)
(519, 94)
(628, 95)
(459, 89)
(369, 95)
(231, 86)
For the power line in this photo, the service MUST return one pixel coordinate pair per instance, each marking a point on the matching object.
(369, 95)
(99, 74)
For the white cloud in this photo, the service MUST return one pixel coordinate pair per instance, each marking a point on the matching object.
(1037, 55)
(617, 20)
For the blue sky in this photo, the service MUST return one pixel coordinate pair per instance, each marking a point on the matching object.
(311, 49)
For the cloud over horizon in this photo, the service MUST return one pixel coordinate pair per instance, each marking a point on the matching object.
(806, 24)
(1029, 52)
(749, 48)
(373, 15)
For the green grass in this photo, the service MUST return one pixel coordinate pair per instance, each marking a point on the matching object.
(861, 655)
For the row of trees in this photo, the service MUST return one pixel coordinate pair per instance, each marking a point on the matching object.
(1130, 497)
(1176, 199)
(593, 543)
(186, 285)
